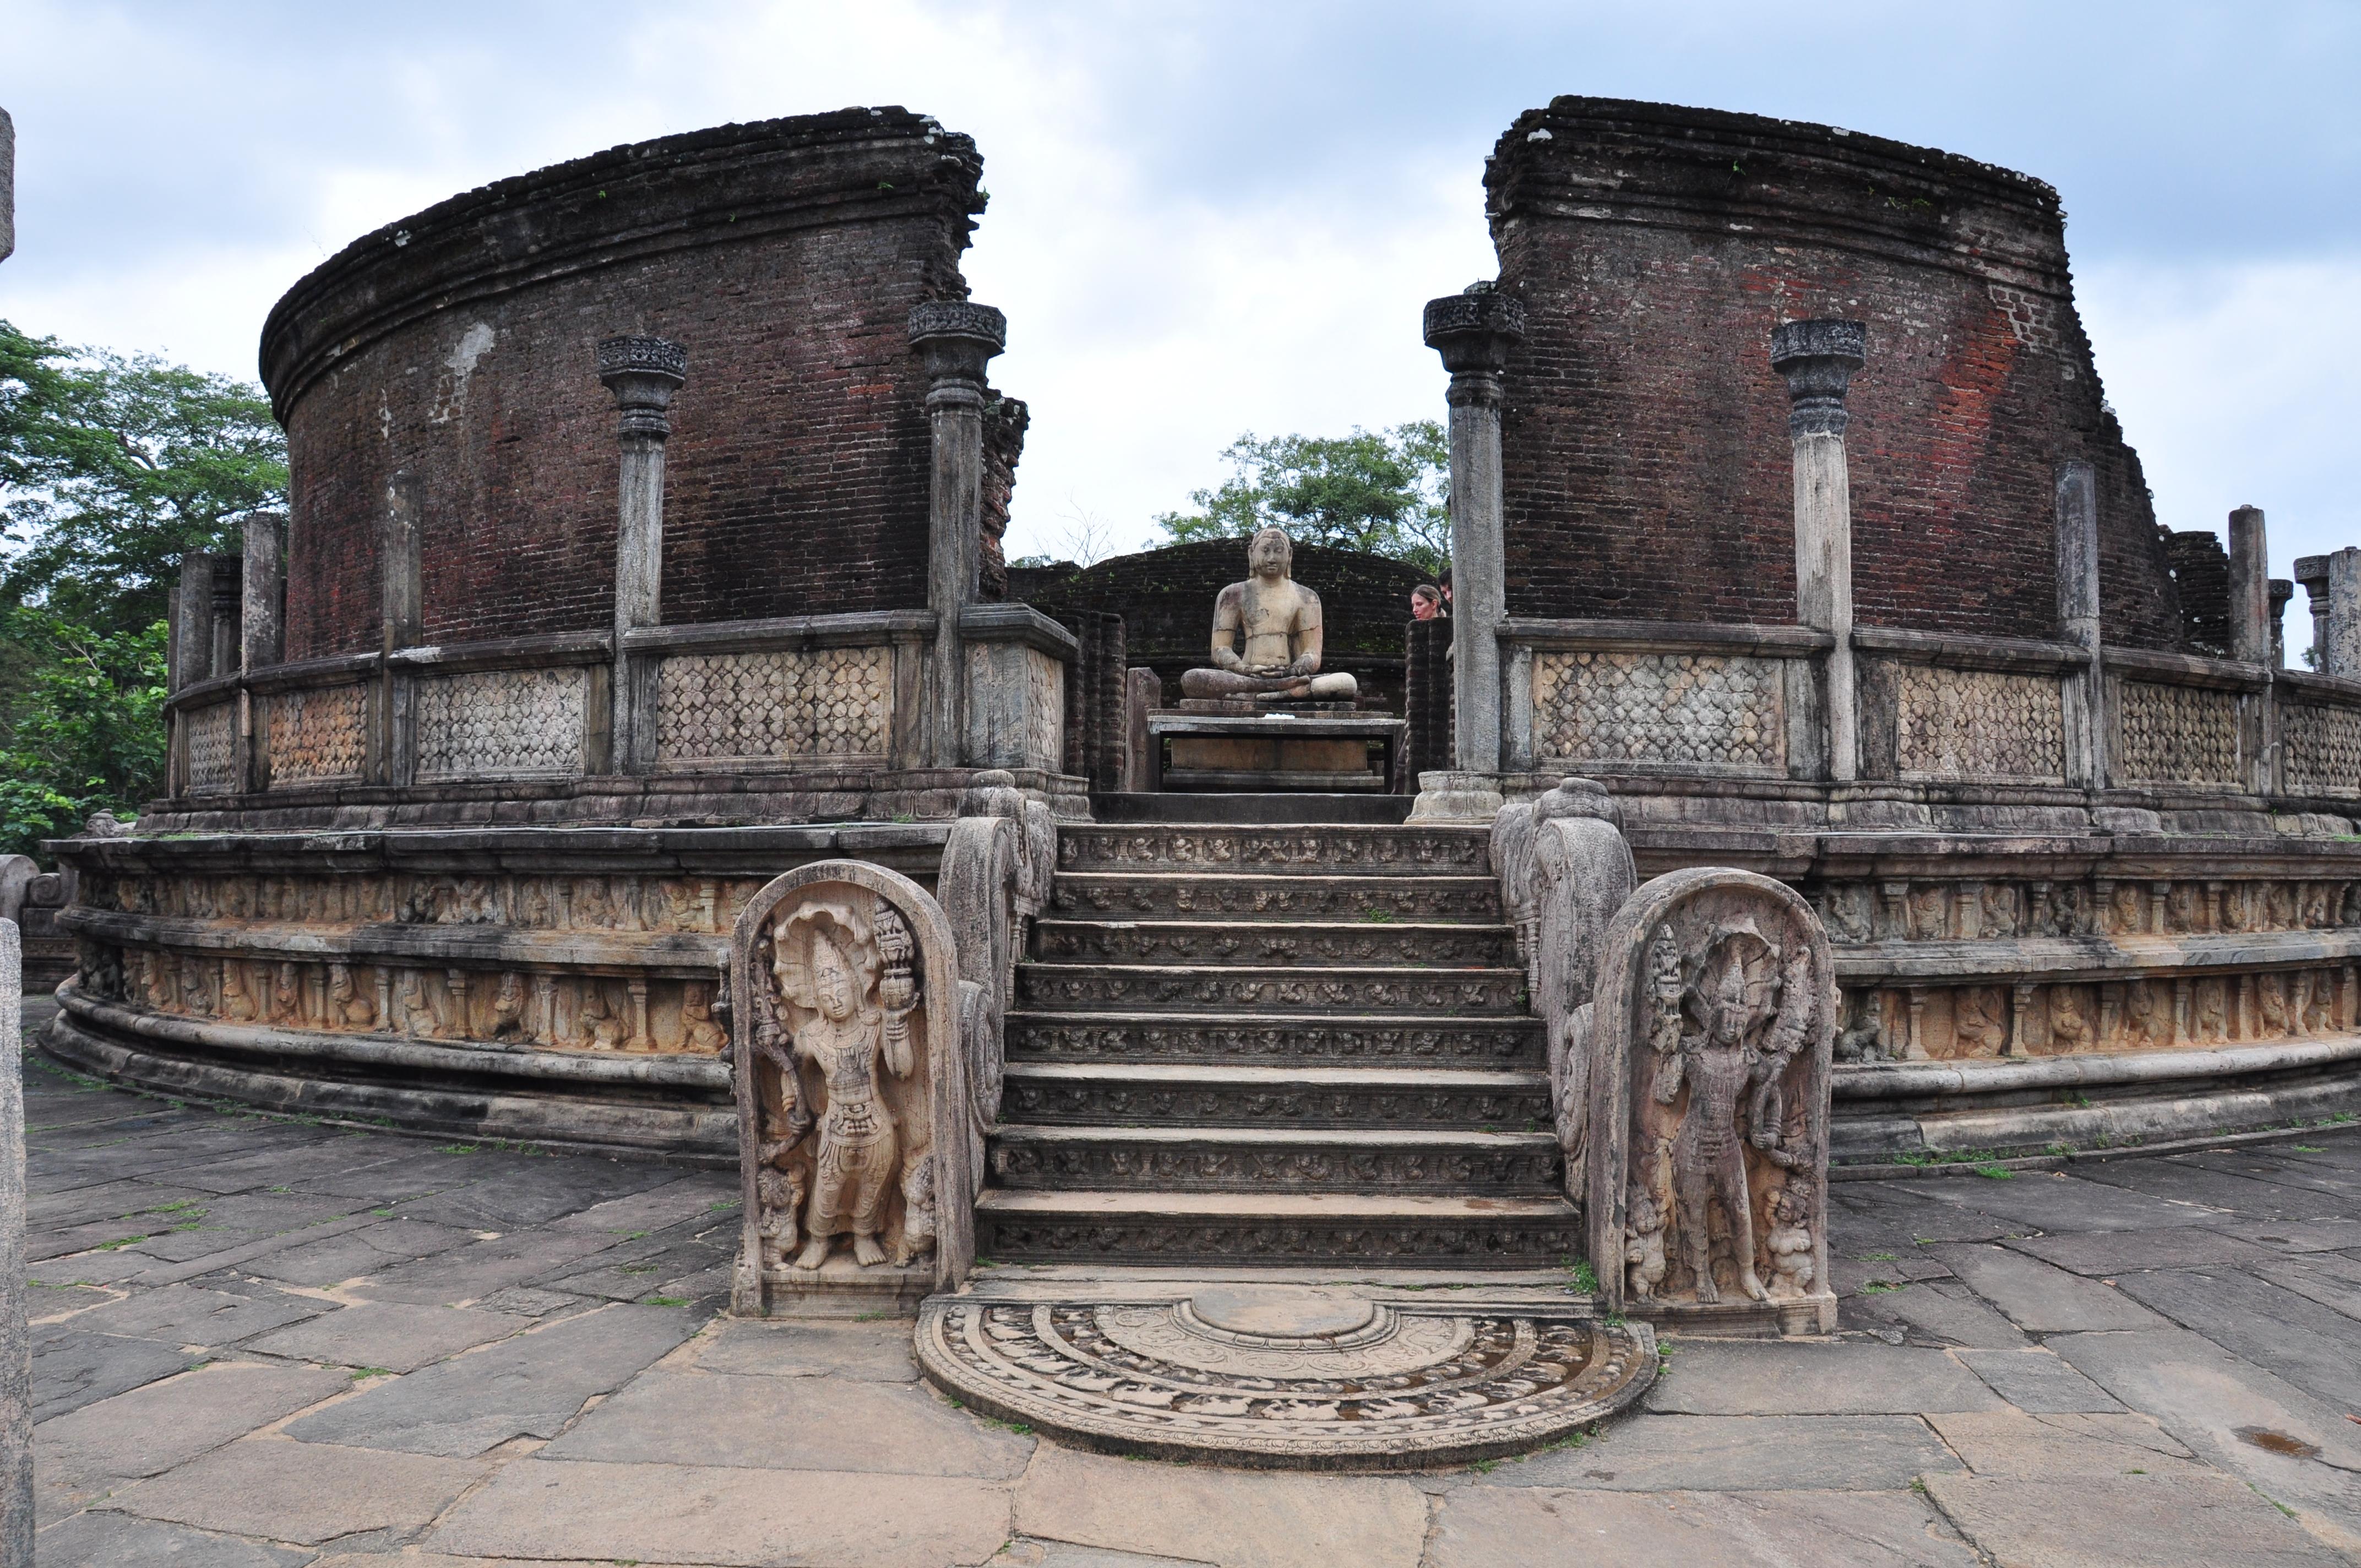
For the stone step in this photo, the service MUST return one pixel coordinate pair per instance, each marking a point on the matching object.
(1273, 945)
(1168, 988)
(1245, 1229)
(1173, 805)
(1137, 1094)
(1276, 1159)
(1351, 848)
(1197, 894)
(1273, 1039)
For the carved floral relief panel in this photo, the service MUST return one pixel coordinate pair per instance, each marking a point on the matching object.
(502, 723)
(1979, 723)
(2184, 734)
(2321, 749)
(212, 748)
(775, 704)
(316, 736)
(1695, 709)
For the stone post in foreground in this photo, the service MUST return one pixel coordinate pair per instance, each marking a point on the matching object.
(958, 340)
(2250, 588)
(2078, 620)
(1818, 359)
(2339, 641)
(642, 373)
(15, 1344)
(1473, 332)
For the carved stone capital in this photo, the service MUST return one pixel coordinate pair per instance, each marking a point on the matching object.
(958, 339)
(644, 373)
(1819, 359)
(1474, 331)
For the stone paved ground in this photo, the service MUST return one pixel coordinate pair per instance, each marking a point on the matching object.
(266, 1344)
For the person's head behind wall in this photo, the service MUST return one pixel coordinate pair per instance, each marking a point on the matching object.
(1425, 602)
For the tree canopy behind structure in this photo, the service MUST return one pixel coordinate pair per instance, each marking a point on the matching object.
(1378, 491)
(110, 468)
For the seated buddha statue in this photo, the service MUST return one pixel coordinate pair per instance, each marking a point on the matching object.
(1278, 621)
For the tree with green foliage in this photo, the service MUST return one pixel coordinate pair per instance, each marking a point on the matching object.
(111, 467)
(1380, 491)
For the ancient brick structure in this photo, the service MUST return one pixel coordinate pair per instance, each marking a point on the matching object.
(454, 348)
(1654, 248)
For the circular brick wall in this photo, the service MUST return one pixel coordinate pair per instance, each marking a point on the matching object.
(1645, 436)
(457, 346)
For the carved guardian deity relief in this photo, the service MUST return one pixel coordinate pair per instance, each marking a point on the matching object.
(1714, 1023)
(852, 1095)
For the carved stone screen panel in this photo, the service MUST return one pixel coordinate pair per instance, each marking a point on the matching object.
(2178, 735)
(775, 704)
(2321, 749)
(1045, 711)
(1676, 710)
(502, 723)
(213, 754)
(318, 736)
(1979, 723)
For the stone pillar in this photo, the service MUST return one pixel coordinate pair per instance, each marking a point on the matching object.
(958, 340)
(2341, 643)
(642, 373)
(190, 656)
(1818, 359)
(2311, 574)
(262, 601)
(8, 220)
(15, 1344)
(2250, 588)
(402, 623)
(2077, 621)
(222, 648)
(1473, 332)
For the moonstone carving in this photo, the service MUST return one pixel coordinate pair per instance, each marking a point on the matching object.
(1712, 1028)
(851, 1094)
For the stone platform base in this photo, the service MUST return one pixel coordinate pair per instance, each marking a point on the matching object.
(1284, 1377)
(1267, 751)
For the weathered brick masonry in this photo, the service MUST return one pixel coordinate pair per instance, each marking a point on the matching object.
(784, 256)
(1645, 449)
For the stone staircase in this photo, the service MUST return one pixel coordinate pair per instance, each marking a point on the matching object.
(1292, 1043)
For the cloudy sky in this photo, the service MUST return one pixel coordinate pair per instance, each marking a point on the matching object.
(1212, 218)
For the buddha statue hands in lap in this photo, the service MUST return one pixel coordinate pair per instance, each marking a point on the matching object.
(1278, 619)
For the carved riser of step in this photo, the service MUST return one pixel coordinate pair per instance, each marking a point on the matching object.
(1538, 1171)
(1115, 1105)
(1142, 896)
(1343, 851)
(1070, 987)
(1307, 1042)
(1275, 945)
(1511, 1245)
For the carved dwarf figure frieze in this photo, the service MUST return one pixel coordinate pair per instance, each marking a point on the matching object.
(1266, 635)
(1712, 1030)
(851, 1094)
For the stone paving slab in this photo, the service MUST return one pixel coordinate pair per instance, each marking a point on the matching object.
(76, 1368)
(1740, 1453)
(2038, 1382)
(2014, 1444)
(1938, 1312)
(303, 1493)
(528, 1386)
(2184, 1520)
(120, 1540)
(150, 1430)
(2315, 1347)
(1735, 1377)
(393, 1335)
(2115, 1252)
(2041, 1298)
(185, 1315)
(878, 1353)
(2062, 1202)
(542, 1508)
(358, 1252)
(1491, 1526)
(766, 1423)
(470, 1273)
(1239, 1520)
